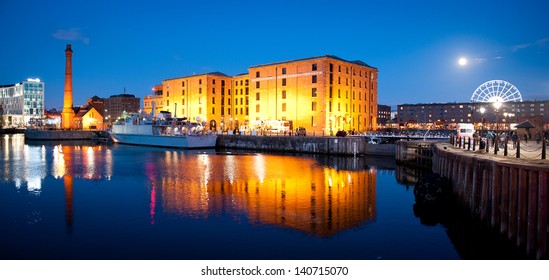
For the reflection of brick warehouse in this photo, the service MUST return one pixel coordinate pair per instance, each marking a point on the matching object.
(117, 104)
(279, 191)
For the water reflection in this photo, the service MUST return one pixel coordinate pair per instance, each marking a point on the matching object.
(81, 159)
(29, 165)
(293, 192)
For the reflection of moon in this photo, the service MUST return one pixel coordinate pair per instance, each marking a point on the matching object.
(462, 61)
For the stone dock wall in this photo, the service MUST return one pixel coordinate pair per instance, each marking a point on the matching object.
(348, 146)
(510, 195)
(37, 134)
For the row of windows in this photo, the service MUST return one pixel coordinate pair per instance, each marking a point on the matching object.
(200, 82)
(314, 67)
(228, 111)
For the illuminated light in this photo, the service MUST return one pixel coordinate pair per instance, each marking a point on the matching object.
(462, 61)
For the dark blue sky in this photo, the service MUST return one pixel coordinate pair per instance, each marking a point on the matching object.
(414, 44)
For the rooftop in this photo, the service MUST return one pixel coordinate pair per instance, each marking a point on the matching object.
(357, 62)
(203, 74)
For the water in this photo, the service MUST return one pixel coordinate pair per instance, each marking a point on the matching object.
(84, 201)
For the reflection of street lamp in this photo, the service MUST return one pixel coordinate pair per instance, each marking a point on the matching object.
(497, 105)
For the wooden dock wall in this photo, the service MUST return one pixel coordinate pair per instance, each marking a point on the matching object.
(415, 152)
(509, 195)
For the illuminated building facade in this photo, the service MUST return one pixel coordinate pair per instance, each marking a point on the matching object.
(200, 98)
(323, 94)
(155, 98)
(241, 101)
(22, 102)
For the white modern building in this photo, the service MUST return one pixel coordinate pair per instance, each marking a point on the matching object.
(22, 103)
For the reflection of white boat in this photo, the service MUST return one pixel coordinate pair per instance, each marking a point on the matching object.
(374, 140)
(162, 133)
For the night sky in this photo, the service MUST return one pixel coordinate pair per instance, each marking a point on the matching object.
(416, 45)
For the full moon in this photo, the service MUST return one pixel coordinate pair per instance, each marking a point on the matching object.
(462, 61)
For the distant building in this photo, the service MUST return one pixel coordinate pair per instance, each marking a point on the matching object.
(22, 103)
(98, 103)
(52, 118)
(383, 114)
(447, 115)
(116, 105)
(155, 98)
(88, 117)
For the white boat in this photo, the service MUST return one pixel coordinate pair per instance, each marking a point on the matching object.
(162, 133)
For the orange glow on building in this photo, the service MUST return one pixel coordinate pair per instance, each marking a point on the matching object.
(323, 94)
(200, 98)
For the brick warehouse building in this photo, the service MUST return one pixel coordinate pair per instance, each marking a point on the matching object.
(323, 94)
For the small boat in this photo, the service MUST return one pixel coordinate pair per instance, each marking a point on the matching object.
(170, 133)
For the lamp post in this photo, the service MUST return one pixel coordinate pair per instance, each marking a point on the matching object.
(505, 114)
(331, 120)
(482, 111)
(497, 105)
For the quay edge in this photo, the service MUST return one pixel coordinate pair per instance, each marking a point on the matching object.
(38, 134)
(509, 195)
(348, 146)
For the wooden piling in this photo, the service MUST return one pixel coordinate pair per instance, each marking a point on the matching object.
(504, 200)
(543, 215)
(522, 208)
(496, 195)
(513, 202)
(532, 212)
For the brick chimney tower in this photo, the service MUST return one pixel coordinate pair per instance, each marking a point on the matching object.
(67, 114)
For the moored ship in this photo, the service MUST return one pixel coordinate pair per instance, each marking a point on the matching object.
(171, 133)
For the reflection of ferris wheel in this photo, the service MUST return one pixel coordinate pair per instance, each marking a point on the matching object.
(496, 91)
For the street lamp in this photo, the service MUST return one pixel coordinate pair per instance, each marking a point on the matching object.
(497, 105)
(482, 111)
(331, 120)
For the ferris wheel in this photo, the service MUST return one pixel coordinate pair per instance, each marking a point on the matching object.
(496, 91)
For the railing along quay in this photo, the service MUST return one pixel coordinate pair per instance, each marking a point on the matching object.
(514, 148)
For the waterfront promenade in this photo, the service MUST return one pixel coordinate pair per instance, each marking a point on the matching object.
(509, 194)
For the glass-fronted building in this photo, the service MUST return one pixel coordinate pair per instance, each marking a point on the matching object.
(22, 103)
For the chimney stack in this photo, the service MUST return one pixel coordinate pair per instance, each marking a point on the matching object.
(67, 114)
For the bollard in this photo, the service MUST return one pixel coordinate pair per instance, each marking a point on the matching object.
(487, 144)
(543, 156)
(474, 144)
(518, 148)
(469, 144)
(505, 147)
(495, 145)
